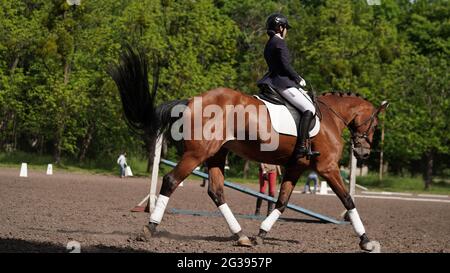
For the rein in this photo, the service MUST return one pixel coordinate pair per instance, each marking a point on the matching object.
(355, 135)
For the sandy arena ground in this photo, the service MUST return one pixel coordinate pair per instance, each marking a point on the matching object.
(43, 213)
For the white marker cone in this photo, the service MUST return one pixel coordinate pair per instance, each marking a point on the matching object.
(323, 188)
(128, 171)
(24, 170)
(50, 169)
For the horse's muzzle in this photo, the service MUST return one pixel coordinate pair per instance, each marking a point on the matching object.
(361, 152)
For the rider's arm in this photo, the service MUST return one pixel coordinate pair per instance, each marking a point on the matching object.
(284, 57)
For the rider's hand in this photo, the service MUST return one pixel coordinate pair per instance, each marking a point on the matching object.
(302, 82)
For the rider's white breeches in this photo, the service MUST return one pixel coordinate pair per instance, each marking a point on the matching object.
(299, 98)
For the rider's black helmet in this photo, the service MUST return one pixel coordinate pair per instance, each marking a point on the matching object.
(275, 20)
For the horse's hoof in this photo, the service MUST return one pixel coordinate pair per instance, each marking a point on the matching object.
(147, 233)
(371, 246)
(244, 241)
(259, 240)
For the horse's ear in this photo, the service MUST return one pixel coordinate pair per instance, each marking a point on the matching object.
(384, 105)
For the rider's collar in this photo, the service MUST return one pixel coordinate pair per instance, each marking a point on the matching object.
(279, 36)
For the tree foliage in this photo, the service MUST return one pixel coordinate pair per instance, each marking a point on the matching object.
(55, 97)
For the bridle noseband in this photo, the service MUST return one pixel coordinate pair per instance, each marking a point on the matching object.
(365, 135)
(355, 135)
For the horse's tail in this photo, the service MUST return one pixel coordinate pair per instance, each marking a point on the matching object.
(131, 78)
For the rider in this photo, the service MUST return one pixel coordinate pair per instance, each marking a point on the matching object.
(283, 78)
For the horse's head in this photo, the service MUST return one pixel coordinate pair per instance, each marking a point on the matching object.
(363, 127)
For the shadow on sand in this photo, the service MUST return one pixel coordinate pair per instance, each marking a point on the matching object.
(26, 246)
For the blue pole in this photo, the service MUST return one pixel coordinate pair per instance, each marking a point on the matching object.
(263, 196)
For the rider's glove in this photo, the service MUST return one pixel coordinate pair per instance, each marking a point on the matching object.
(300, 81)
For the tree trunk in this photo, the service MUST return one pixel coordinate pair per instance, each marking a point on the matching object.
(66, 72)
(58, 142)
(428, 172)
(3, 126)
(380, 177)
(15, 132)
(14, 65)
(246, 168)
(57, 152)
(86, 142)
(60, 130)
(41, 145)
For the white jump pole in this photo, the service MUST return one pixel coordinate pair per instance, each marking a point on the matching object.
(352, 177)
(352, 174)
(155, 170)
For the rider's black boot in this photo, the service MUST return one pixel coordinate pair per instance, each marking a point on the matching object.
(302, 134)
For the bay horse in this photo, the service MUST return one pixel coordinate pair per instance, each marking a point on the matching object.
(339, 111)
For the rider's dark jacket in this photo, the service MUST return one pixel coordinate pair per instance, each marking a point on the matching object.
(281, 75)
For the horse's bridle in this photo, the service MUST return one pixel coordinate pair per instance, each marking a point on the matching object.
(355, 135)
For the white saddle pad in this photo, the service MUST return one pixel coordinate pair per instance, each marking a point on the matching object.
(282, 120)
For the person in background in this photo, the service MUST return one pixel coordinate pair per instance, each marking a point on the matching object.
(311, 177)
(267, 175)
(122, 161)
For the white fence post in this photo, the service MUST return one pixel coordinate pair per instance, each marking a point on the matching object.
(352, 173)
(154, 181)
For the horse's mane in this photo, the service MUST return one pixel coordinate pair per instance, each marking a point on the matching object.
(342, 94)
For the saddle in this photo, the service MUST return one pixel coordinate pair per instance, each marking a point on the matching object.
(269, 94)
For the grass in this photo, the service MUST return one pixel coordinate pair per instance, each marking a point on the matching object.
(403, 184)
(139, 167)
(40, 162)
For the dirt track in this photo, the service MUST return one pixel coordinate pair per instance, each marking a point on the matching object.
(43, 213)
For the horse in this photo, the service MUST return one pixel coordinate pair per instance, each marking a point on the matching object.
(338, 111)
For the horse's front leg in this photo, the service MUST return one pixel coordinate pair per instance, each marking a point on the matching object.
(287, 186)
(332, 174)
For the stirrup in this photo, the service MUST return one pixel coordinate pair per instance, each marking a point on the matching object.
(311, 154)
(296, 156)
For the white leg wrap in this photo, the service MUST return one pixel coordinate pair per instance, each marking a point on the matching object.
(267, 224)
(160, 207)
(356, 222)
(229, 217)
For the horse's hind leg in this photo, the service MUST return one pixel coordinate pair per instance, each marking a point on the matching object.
(333, 177)
(216, 166)
(189, 161)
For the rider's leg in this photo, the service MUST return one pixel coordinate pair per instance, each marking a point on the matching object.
(301, 100)
(303, 134)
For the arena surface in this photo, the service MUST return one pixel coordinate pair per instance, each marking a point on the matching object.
(43, 213)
